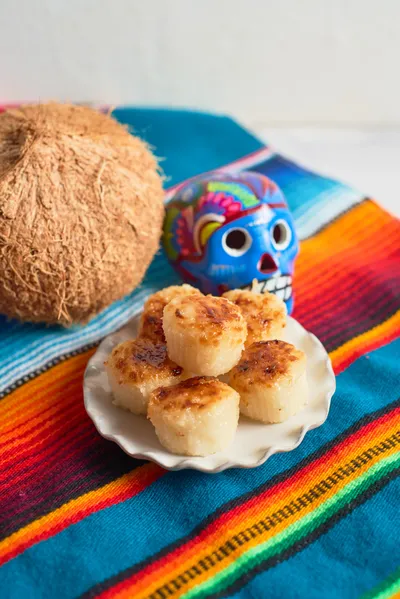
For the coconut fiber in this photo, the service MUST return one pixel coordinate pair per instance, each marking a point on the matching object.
(81, 210)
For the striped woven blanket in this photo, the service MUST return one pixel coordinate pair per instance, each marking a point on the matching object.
(79, 518)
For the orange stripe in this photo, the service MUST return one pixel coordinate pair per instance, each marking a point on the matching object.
(75, 510)
(59, 398)
(13, 405)
(358, 346)
(337, 268)
(362, 222)
(52, 411)
(8, 403)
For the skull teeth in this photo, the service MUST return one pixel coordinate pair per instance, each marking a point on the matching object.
(271, 284)
(281, 282)
(288, 292)
(280, 286)
(280, 293)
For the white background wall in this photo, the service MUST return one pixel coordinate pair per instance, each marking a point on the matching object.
(265, 61)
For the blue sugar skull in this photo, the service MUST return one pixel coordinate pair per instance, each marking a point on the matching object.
(222, 231)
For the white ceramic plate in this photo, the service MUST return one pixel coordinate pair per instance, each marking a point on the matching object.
(254, 442)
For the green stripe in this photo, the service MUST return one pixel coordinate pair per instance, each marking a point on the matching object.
(295, 531)
(248, 198)
(387, 588)
(390, 591)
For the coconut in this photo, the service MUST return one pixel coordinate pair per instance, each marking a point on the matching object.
(81, 210)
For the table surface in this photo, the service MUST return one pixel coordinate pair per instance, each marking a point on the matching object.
(366, 159)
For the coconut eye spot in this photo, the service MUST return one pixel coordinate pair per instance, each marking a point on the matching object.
(236, 242)
(281, 235)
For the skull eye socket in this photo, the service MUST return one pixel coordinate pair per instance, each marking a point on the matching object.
(236, 242)
(281, 235)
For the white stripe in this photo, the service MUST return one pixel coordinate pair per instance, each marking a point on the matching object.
(322, 213)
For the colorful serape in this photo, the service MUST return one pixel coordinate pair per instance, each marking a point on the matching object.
(79, 518)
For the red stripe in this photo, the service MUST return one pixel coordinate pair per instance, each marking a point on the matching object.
(351, 312)
(37, 394)
(31, 400)
(359, 248)
(343, 275)
(86, 480)
(326, 275)
(84, 439)
(223, 520)
(345, 280)
(356, 315)
(357, 323)
(41, 470)
(25, 454)
(52, 529)
(37, 465)
(346, 285)
(64, 408)
(339, 328)
(367, 346)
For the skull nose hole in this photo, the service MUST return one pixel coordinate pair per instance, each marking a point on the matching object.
(267, 264)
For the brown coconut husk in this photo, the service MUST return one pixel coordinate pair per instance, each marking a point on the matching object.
(81, 210)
